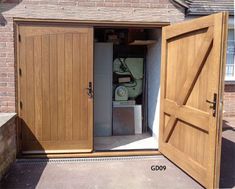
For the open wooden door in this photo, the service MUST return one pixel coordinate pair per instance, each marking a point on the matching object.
(193, 59)
(55, 70)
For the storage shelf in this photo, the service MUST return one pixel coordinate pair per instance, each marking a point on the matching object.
(143, 42)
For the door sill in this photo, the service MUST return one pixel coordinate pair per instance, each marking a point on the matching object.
(94, 154)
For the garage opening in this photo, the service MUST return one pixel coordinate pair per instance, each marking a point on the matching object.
(126, 88)
(55, 96)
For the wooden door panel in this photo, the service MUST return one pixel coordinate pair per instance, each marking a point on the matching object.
(186, 78)
(191, 75)
(56, 67)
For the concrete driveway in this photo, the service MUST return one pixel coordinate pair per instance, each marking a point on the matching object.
(116, 172)
(97, 173)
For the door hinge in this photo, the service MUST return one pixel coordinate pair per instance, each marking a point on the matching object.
(19, 38)
(21, 105)
(20, 72)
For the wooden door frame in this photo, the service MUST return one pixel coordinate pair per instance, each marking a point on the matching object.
(115, 24)
(221, 99)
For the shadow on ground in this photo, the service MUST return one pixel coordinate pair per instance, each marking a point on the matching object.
(28, 174)
(227, 170)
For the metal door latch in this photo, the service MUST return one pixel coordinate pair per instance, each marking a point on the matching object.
(90, 90)
(213, 104)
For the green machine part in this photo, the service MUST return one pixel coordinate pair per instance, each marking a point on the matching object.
(134, 67)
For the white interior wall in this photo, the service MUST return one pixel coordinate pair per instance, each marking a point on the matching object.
(103, 84)
(153, 60)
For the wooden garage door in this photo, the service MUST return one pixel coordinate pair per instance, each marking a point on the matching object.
(193, 57)
(55, 68)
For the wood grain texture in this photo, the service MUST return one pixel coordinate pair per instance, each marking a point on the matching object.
(57, 113)
(190, 75)
(191, 78)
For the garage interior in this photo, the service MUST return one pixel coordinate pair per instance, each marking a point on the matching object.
(126, 88)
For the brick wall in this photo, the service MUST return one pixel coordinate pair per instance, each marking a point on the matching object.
(103, 10)
(7, 82)
(7, 143)
(229, 100)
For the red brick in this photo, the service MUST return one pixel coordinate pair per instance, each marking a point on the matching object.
(7, 69)
(10, 84)
(10, 74)
(3, 44)
(3, 74)
(6, 39)
(164, 2)
(229, 100)
(3, 54)
(149, 1)
(7, 98)
(3, 103)
(87, 4)
(10, 44)
(108, 4)
(10, 103)
(158, 6)
(99, 4)
(9, 94)
(140, 5)
(7, 89)
(112, 1)
(12, 1)
(92, 0)
(3, 93)
(122, 4)
(3, 84)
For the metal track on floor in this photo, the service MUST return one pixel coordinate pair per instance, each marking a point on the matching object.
(96, 159)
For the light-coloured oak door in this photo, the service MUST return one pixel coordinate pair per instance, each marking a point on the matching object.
(193, 59)
(55, 70)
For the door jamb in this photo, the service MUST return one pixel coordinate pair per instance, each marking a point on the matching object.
(92, 23)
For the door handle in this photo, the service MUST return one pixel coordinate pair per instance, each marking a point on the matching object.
(90, 90)
(213, 104)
